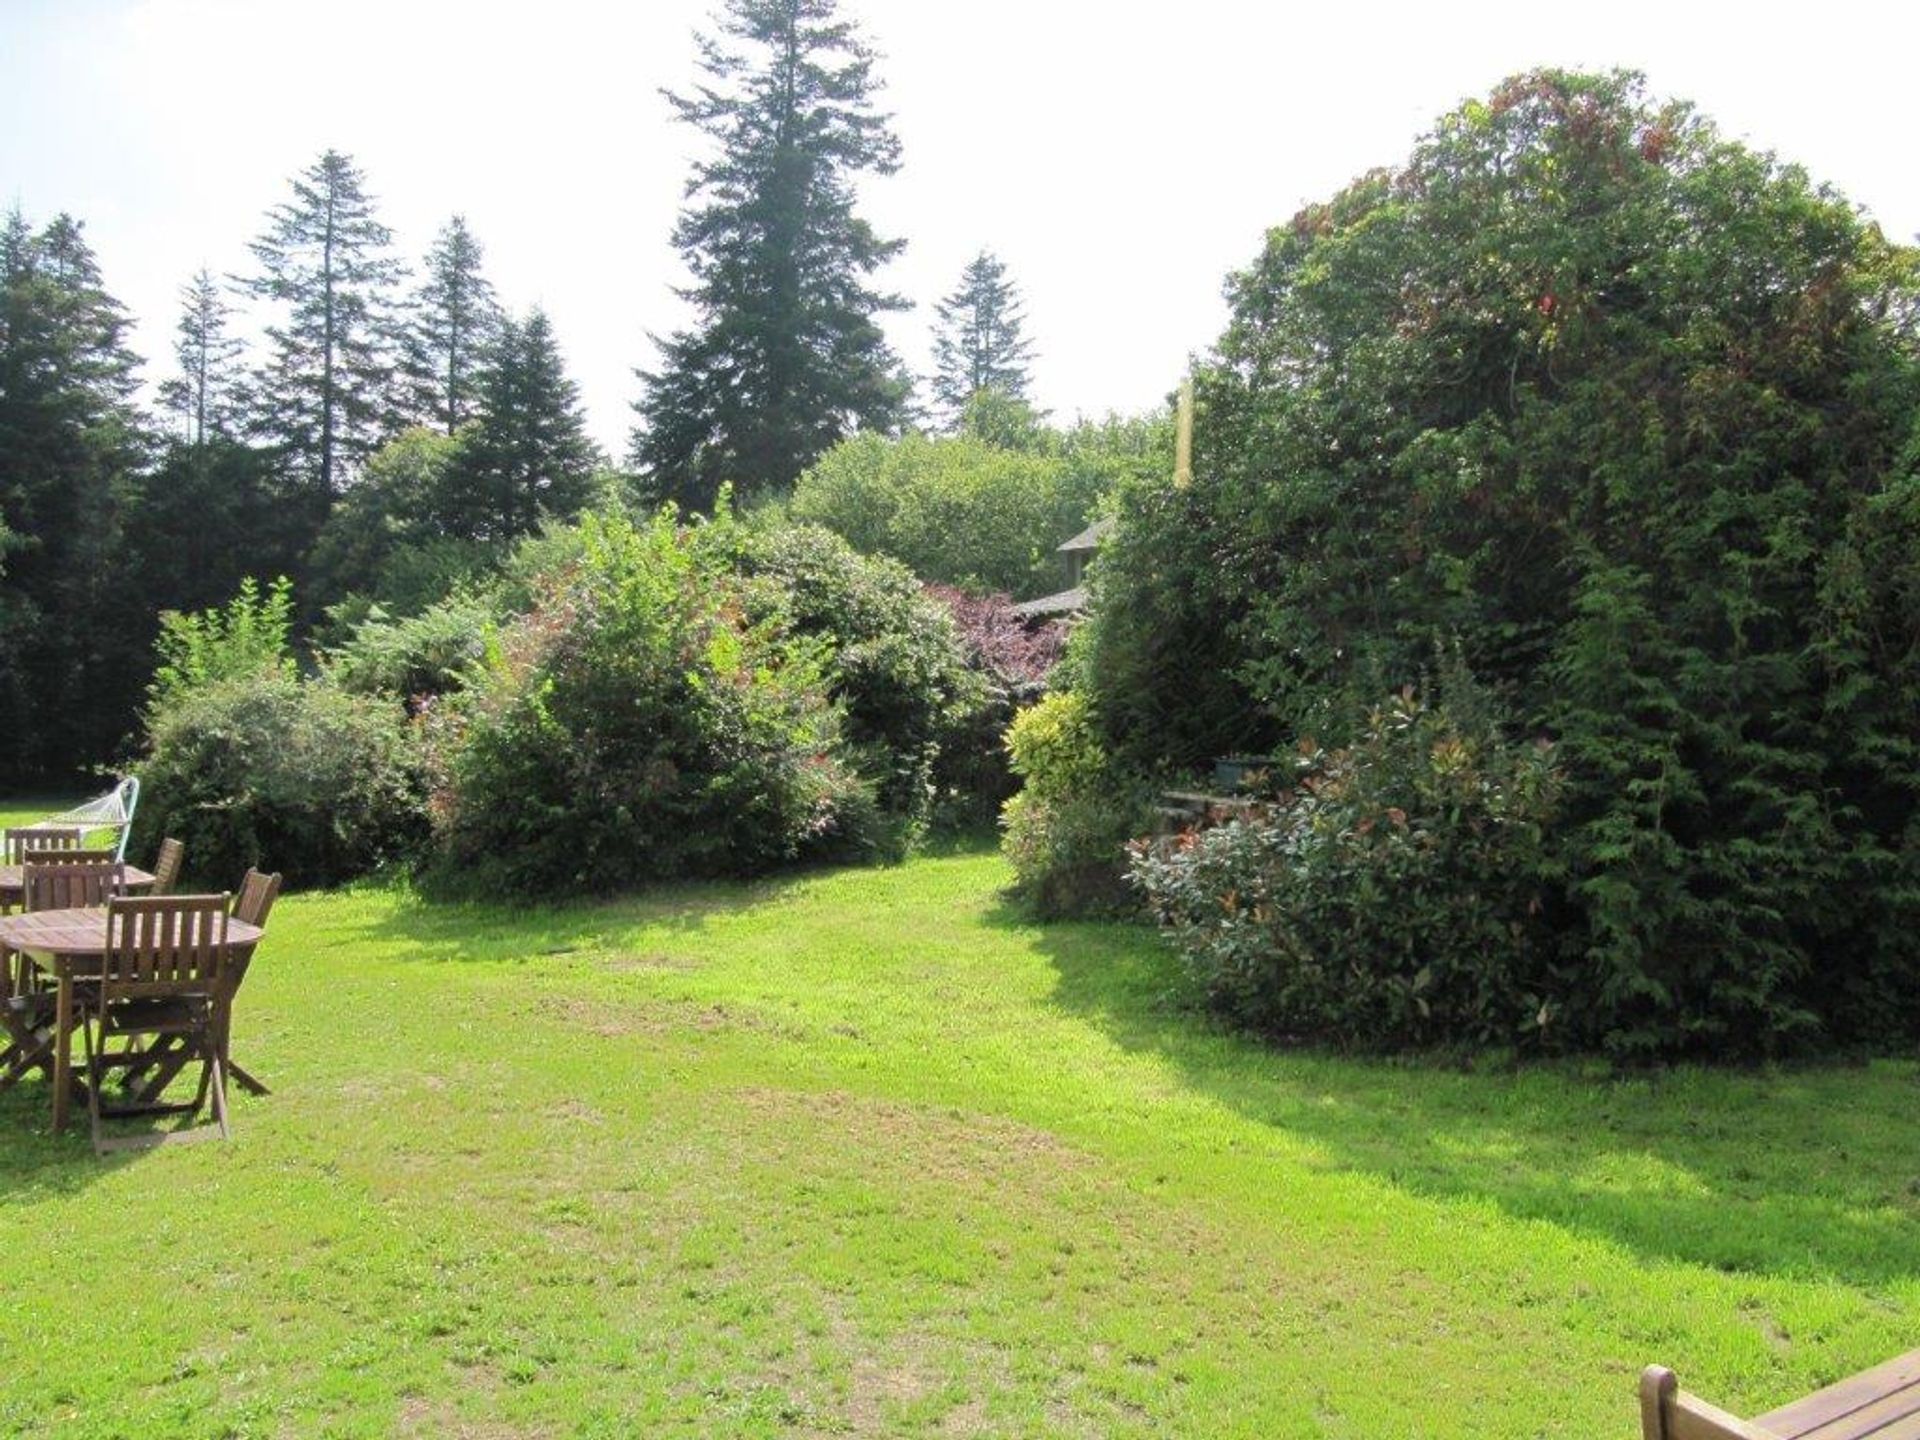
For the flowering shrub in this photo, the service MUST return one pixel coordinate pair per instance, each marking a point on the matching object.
(1392, 895)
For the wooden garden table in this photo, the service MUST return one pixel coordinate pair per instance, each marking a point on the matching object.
(13, 887)
(69, 945)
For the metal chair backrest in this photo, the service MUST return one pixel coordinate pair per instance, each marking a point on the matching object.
(255, 901)
(164, 945)
(57, 885)
(16, 842)
(166, 868)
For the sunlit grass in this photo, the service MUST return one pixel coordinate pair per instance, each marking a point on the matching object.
(864, 1153)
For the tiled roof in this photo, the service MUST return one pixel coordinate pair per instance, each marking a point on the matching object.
(1089, 538)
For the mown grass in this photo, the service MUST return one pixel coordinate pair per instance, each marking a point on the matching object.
(865, 1153)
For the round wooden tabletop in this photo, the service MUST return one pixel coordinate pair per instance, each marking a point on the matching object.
(83, 933)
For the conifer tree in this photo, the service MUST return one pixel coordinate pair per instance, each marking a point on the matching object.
(207, 392)
(325, 396)
(978, 345)
(453, 318)
(786, 355)
(527, 456)
(71, 446)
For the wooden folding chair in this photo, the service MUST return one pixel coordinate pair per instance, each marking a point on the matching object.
(50, 880)
(166, 867)
(15, 842)
(162, 979)
(252, 904)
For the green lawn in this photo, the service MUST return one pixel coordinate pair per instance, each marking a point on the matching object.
(863, 1153)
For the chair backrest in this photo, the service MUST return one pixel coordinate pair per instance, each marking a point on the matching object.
(166, 868)
(57, 885)
(164, 945)
(16, 842)
(255, 901)
(1669, 1413)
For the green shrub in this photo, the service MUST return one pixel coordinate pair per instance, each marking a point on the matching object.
(637, 723)
(1065, 833)
(1392, 894)
(419, 656)
(893, 660)
(296, 776)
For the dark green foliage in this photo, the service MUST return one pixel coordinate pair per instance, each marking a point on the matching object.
(209, 515)
(1066, 832)
(71, 657)
(526, 458)
(325, 396)
(1618, 408)
(979, 347)
(1392, 895)
(895, 662)
(388, 517)
(268, 770)
(787, 355)
(451, 325)
(636, 724)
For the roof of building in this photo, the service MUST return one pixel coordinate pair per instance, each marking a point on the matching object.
(1067, 602)
(1089, 538)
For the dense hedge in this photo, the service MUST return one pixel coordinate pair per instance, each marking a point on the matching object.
(1627, 413)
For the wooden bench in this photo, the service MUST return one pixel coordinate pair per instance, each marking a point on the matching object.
(1882, 1403)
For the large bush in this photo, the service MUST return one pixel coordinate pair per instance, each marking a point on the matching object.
(1621, 409)
(893, 659)
(639, 723)
(1393, 893)
(267, 770)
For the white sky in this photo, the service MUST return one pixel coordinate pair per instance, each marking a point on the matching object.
(1120, 158)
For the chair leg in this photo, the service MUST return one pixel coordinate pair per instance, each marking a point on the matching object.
(241, 1077)
(219, 1094)
(96, 1076)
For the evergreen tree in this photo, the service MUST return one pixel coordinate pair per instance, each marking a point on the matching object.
(978, 345)
(787, 355)
(326, 393)
(453, 319)
(70, 450)
(527, 456)
(207, 394)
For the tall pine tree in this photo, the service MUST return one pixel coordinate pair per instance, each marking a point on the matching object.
(527, 456)
(325, 396)
(71, 445)
(207, 395)
(978, 345)
(787, 355)
(452, 320)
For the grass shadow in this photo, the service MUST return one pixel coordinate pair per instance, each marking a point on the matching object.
(1811, 1171)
